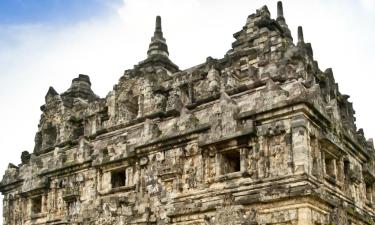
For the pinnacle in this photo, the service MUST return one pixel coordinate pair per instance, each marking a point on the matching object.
(300, 35)
(280, 11)
(52, 91)
(158, 24)
(158, 45)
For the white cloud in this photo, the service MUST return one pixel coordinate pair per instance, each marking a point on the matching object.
(35, 57)
(368, 5)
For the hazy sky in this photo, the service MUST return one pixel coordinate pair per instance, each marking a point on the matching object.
(49, 42)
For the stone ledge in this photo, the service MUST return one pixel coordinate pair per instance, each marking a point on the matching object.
(118, 190)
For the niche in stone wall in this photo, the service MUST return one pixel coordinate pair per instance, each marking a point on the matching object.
(346, 168)
(118, 178)
(128, 105)
(225, 160)
(369, 180)
(49, 136)
(133, 105)
(346, 176)
(185, 94)
(36, 205)
(73, 207)
(369, 193)
(315, 154)
(336, 165)
(231, 161)
(78, 130)
(330, 167)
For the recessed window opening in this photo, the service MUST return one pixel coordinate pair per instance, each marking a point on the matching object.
(36, 205)
(231, 161)
(118, 178)
(330, 165)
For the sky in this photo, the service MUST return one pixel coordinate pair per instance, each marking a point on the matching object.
(49, 42)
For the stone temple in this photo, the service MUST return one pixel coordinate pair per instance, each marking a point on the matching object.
(259, 137)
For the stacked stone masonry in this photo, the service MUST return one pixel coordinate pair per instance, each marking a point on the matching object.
(261, 136)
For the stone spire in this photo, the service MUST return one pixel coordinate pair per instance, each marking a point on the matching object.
(80, 88)
(300, 36)
(51, 92)
(158, 45)
(301, 42)
(280, 12)
(50, 95)
(157, 54)
(281, 19)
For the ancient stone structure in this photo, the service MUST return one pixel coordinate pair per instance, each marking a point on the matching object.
(261, 136)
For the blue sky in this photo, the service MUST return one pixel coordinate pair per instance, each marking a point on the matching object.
(53, 11)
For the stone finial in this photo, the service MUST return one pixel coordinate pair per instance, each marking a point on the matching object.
(300, 35)
(280, 11)
(51, 93)
(80, 88)
(281, 20)
(157, 53)
(81, 83)
(158, 24)
(83, 78)
(25, 157)
(158, 45)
